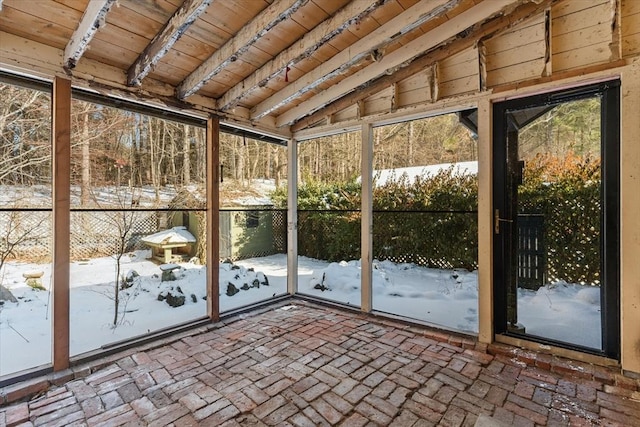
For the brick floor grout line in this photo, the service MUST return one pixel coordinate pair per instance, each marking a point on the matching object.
(388, 373)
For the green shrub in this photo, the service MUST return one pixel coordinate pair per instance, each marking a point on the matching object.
(566, 191)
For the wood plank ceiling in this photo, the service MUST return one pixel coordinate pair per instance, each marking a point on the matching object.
(279, 64)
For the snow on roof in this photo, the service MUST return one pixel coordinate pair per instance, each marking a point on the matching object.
(381, 177)
(178, 234)
(256, 194)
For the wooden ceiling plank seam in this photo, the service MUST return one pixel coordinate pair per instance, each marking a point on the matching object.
(301, 50)
(94, 18)
(359, 51)
(478, 34)
(177, 25)
(103, 78)
(156, 11)
(39, 30)
(257, 28)
(388, 64)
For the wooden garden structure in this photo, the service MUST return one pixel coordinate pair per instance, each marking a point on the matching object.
(298, 69)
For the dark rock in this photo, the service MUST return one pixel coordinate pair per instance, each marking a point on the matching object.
(6, 295)
(168, 276)
(129, 279)
(263, 279)
(321, 287)
(175, 298)
(256, 283)
(245, 287)
(231, 290)
(194, 298)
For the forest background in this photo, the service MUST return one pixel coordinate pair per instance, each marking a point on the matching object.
(148, 160)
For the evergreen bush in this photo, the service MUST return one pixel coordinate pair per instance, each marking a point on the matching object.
(432, 220)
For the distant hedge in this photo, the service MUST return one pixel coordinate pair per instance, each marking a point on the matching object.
(432, 221)
(566, 191)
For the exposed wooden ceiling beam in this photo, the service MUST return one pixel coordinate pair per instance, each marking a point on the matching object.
(323, 33)
(165, 39)
(94, 17)
(238, 45)
(392, 62)
(377, 40)
(480, 32)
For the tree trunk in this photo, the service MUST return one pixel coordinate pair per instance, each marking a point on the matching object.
(85, 186)
(186, 159)
(152, 161)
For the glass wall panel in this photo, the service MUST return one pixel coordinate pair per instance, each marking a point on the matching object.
(425, 227)
(253, 221)
(25, 228)
(329, 218)
(138, 230)
(558, 260)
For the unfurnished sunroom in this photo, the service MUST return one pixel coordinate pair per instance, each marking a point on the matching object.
(352, 153)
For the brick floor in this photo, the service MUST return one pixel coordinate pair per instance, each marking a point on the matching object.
(306, 365)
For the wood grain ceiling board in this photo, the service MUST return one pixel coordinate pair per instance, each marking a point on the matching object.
(322, 43)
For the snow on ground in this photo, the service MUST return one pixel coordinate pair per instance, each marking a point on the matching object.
(564, 312)
(382, 176)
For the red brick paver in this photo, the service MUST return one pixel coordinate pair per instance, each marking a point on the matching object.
(311, 366)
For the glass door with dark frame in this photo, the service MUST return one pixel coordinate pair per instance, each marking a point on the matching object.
(556, 198)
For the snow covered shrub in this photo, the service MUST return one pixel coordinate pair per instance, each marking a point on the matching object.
(430, 221)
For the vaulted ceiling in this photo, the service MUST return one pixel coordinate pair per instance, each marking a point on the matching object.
(278, 65)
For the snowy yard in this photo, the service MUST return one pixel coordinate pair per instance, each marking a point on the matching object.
(442, 297)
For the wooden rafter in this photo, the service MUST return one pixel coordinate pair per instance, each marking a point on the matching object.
(165, 39)
(357, 53)
(396, 59)
(94, 17)
(470, 38)
(238, 45)
(311, 42)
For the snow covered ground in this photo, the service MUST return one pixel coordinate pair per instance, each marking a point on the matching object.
(449, 298)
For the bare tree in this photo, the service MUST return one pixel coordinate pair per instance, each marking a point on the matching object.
(19, 229)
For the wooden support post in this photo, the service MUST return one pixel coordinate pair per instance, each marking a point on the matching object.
(61, 140)
(485, 222)
(366, 259)
(168, 253)
(213, 218)
(292, 217)
(630, 212)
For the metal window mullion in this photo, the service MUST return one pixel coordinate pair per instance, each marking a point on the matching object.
(292, 217)
(366, 238)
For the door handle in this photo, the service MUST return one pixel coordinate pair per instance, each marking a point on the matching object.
(496, 221)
